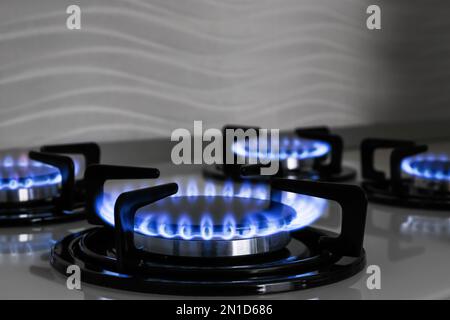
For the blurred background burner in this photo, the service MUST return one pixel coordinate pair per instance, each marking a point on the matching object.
(44, 186)
(294, 153)
(416, 179)
(307, 153)
(429, 171)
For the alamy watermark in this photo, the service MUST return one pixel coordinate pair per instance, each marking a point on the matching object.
(373, 22)
(374, 279)
(73, 21)
(207, 147)
(73, 281)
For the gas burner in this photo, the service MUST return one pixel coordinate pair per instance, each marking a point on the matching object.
(429, 171)
(242, 214)
(156, 240)
(22, 179)
(417, 179)
(42, 186)
(310, 153)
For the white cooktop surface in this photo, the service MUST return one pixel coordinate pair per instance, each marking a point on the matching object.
(412, 248)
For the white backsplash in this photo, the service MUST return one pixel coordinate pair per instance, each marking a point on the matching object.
(140, 68)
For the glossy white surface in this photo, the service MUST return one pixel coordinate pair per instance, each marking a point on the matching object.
(412, 248)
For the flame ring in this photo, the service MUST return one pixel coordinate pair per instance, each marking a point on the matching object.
(428, 166)
(307, 210)
(290, 147)
(19, 172)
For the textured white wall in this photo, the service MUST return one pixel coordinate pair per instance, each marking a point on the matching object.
(140, 68)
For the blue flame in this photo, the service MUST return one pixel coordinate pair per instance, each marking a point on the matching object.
(428, 166)
(306, 210)
(20, 172)
(289, 147)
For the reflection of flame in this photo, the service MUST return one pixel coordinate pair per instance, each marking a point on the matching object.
(307, 210)
(433, 226)
(290, 148)
(428, 166)
(25, 244)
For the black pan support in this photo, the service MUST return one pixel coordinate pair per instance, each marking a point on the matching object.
(97, 175)
(55, 155)
(125, 210)
(89, 150)
(66, 167)
(351, 198)
(232, 169)
(353, 203)
(126, 205)
(334, 166)
(401, 149)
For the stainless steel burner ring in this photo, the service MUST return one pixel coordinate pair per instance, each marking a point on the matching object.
(212, 248)
(29, 194)
(295, 164)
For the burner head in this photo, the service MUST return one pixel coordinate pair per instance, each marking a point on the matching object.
(22, 179)
(214, 221)
(294, 153)
(208, 226)
(429, 171)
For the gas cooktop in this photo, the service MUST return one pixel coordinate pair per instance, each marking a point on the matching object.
(247, 243)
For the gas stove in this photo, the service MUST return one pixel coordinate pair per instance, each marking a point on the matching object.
(243, 250)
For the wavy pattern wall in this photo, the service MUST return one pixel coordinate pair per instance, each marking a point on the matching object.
(140, 68)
